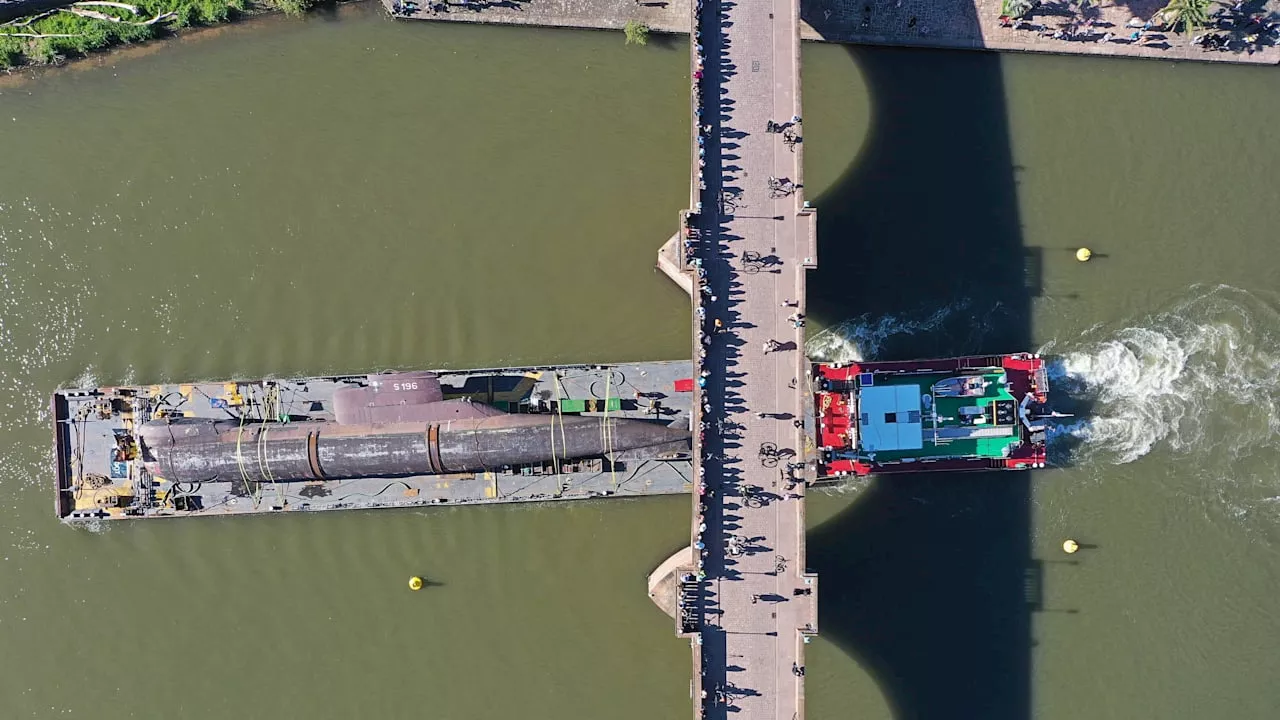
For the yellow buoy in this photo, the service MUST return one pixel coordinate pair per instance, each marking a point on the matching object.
(415, 583)
(1083, 254)
(1070, 546)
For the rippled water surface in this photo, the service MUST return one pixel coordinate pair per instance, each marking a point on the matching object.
(354, 194)
(1165, 348)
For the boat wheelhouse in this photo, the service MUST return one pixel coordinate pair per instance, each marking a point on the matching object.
(967, 413)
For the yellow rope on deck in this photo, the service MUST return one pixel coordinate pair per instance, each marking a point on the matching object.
(608, 432)
(555, 459)
(244, 474)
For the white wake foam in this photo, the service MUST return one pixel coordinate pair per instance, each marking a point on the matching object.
(863, 337)
(1199, 385)
(1199, 377)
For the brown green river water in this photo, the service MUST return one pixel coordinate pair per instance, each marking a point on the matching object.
(348, 194)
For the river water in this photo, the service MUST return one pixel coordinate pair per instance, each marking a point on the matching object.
(347, 194)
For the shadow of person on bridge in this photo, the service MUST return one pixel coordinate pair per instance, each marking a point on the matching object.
(922, 576)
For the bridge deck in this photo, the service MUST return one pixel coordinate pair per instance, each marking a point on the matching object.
(754, 244)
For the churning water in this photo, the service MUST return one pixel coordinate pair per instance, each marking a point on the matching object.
(1198, 383)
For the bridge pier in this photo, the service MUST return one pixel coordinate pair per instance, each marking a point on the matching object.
(670, 261)
(664, 581)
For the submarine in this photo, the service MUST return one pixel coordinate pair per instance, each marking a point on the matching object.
(394, 425)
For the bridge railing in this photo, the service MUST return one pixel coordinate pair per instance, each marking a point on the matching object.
(697, 138)
(691, 240)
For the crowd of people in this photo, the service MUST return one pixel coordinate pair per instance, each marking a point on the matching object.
(1146, 33)
(1242, 26)
(409, 8)
(1238, 27)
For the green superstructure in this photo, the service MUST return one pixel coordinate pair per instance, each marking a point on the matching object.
(919, 416)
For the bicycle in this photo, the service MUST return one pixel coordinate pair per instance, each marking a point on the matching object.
(752, 262)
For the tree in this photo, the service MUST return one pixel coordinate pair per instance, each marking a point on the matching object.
(636, 32)
(10, 51)
(1186, 16)
(1016, 8)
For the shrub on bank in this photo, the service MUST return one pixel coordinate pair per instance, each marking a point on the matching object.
(294, 8)
(636, 32)
(62, 35)
(54, 36)
(10, 51)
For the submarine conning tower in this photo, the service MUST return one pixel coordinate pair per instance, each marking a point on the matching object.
(397, 425)
(389, 397)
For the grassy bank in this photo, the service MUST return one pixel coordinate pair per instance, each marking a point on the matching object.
(84, 27)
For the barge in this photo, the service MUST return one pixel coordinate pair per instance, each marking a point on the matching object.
(967, 413)
(396, 439)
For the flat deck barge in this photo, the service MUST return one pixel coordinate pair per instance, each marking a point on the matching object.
(396, 439)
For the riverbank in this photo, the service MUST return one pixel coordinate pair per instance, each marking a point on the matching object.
(1106, 29)
(670, 17)
(76, 30)
(39, 35)
(1109, 28)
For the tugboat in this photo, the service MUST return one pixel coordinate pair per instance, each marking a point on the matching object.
(966, 413)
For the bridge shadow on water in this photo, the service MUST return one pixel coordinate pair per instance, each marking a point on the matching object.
(927, 579)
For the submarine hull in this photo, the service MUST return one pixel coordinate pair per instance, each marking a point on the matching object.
(209, 451)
